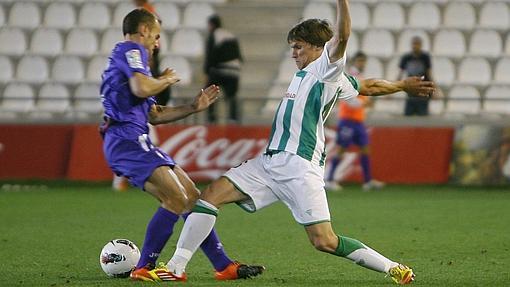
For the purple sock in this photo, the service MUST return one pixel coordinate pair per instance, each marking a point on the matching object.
(365, 165)
(334, 164)
(159, 230)
(213, 249)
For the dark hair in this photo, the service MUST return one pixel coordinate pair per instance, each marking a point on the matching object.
(359, 54)
(214, 20)
(135, 18)
(314, 31)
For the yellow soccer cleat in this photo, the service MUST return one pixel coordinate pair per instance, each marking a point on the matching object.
(401, 274)
(158, 274)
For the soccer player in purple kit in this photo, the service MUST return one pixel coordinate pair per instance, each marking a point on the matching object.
(126, 91)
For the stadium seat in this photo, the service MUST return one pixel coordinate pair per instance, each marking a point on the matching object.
(475, 71)
(449, 43)
(110, 37)
(459, 15)
(94, 15)
(187, 42)
(13, 41)
(390, 105)
(495, 15)
(275, 94)
(81, 42)
(443, 71)
(286, 70)
(7, 70)
(60, 15)
(502, 71)
(121, 10)
(53, 98)
(463, 100)
(320, 11)
(378, 42)
(68, 70)
(181, 66)
(424, 15)
(392, 68)
(87, 99)
(374, 68)
(163, 43)
(352, 45)
(507, 45)
(486, 43)
(169, 14)
(388, 16)
(497, 100)
(18, 97)
(196, 14)
(404, 40)
(24, 15)
(436, 106)
(95, 68)
(360, 12)
(32, 69)
(47, 42)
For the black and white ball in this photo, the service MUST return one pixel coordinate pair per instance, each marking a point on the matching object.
(119, 257)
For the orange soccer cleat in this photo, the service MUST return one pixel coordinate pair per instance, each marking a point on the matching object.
(236, 270)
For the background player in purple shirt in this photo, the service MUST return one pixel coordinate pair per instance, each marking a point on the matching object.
(127, 91)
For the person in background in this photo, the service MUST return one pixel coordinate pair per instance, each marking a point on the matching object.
(351, 130)
(222, 66)
(416, 63)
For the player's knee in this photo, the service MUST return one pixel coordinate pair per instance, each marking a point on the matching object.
(325, 243)
(177, 204)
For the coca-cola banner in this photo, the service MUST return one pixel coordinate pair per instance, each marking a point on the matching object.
(399, 155)
(206, 152)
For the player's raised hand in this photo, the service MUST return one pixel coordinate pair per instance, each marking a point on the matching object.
(418, 87)
(170, 76)
(206, 97)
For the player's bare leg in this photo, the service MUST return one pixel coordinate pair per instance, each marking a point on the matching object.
(324, 239)
(200, 223)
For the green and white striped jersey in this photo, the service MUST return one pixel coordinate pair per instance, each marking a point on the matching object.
(298, 126)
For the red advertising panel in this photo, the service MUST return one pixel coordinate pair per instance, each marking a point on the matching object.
(87, 161)
(38, 151)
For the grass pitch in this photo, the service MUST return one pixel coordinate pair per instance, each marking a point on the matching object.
(451, 236)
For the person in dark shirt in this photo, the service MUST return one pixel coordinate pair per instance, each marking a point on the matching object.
(416, 63)
(222, 65)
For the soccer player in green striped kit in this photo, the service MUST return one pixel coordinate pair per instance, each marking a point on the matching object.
(292, 168)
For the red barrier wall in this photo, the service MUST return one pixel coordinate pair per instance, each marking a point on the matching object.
(399, 155)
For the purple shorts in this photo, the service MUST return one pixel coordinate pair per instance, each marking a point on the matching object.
(135, 159)
(351, 132)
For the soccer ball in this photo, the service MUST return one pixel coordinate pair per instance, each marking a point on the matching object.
(119, 257)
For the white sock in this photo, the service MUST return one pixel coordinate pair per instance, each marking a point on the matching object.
(371, 259)
(196, 228)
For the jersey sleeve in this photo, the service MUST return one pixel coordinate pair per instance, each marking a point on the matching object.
(349, 88)
(133, 59)
(326, 71)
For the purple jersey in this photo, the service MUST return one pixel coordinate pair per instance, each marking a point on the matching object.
(127, 111)
(127, 147)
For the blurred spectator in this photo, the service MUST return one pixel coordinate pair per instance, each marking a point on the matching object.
(351, 130)
(222, 65)
(416, 63)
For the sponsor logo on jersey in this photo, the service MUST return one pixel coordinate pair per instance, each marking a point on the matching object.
(134, 59)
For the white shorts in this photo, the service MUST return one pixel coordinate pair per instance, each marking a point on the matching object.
(283, 176)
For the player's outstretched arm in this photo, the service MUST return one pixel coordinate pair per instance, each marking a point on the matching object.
(163, 114)
(143, 86)
(411, 85)
(341, 32)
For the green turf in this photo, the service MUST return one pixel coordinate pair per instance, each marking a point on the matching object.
(451, 236)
